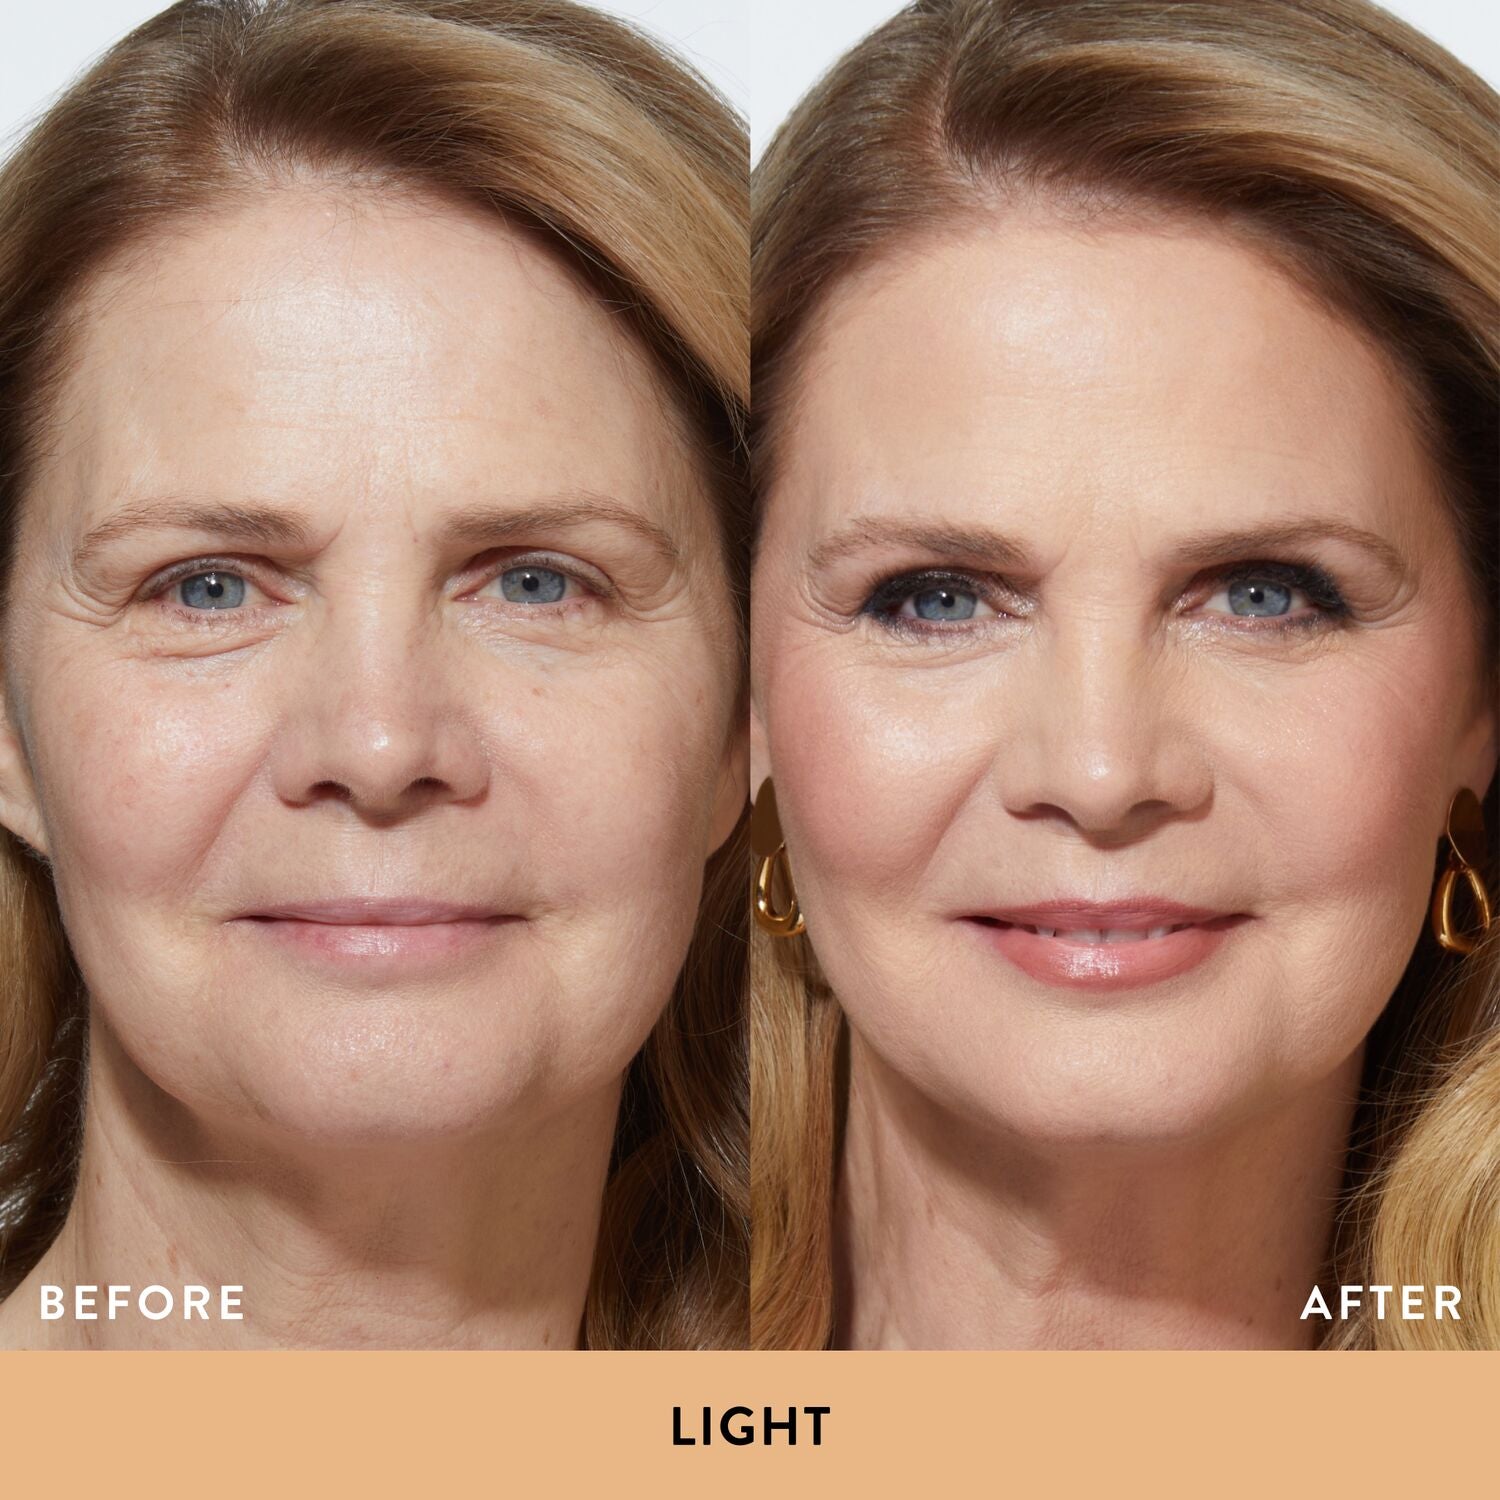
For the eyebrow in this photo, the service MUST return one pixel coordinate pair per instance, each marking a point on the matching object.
(982, 543)
(485, 524)
(972, 542)
(245, 523)
(489, 523)
(1244, 543)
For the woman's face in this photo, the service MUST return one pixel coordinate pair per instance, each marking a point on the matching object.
(370, 673)
(1104, 566)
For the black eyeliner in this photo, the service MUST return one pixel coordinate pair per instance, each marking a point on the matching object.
(1319, 586)
(889, 594)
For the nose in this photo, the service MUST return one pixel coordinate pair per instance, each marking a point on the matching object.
(376, 718)
(1106, 740)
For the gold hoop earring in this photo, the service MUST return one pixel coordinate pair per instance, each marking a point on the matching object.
(768, 845)
(1466, 845)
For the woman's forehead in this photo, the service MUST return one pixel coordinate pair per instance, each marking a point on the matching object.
(1029, 358)
(319, 340)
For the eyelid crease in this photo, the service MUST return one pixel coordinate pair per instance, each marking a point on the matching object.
(491, 523)
(256, 524)
(1202, 550)
(1256, 545)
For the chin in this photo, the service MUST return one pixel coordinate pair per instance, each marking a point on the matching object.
(1104, 1120)
(356, 1122)
(1074, 1090)
(373, 1074)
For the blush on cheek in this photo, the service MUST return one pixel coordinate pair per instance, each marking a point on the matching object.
(1360, 806)
(871, 770)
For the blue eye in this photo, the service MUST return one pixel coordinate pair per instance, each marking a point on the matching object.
(932, 598)
(1280, 593)
(212, 590)
(1260, 597)
(533, 585)
(944, 603)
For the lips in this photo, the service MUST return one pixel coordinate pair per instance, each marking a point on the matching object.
(1104, 934)
(378, 936)
(1105, 945)
(373, 911)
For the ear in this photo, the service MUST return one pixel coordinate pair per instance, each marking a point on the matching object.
(734, 781)
(760, 753)
(20, 810)
(1479, 751)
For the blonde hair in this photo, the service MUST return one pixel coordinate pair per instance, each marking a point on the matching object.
(1363, 156)
(581, 131)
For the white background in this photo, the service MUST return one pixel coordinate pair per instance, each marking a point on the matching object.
(44, 44)
(793, 42)
(762, 55)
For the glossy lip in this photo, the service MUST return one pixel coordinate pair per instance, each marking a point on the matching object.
(376, 933)
(1198, 935)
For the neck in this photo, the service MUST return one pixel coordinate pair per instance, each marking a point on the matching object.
(481, 1242)
(949, 1236)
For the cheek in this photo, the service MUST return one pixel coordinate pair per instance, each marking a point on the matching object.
(1329, 783)
(138, 773)
(1345, 820)
(611, 779)
(872, 767)
(1347, 794)
(601, 777)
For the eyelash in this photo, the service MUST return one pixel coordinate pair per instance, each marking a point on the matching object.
(1318, 586)
(158, 587)
(891, 593)
(592, 588)
(1322, 592)
(161, 585)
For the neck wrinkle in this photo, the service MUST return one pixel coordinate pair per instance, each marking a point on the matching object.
(953, 1235)
(481, 1242)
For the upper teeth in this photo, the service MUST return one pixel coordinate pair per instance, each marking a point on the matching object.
(1104, 934)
